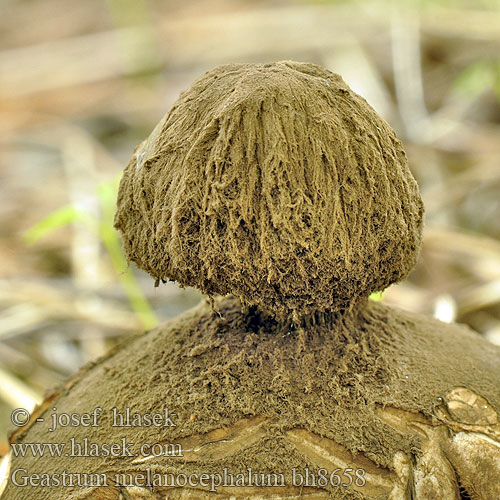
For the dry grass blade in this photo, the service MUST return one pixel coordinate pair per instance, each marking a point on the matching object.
(16, 393)
(480, 254)
(42, 302)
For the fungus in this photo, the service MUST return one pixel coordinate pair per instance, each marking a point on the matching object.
(279, 187)
(275, 183)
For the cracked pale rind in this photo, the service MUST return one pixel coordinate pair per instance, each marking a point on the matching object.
(444, 459)
(476, 459)
(462, 409)
(328, 454)
(471, 459)
(432, 475)
(219, 443)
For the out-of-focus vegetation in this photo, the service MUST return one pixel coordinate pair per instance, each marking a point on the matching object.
(82, 83)
(102, 226)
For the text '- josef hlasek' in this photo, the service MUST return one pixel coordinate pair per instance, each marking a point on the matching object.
(117, 418)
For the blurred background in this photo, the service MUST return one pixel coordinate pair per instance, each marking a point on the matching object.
(82, 83)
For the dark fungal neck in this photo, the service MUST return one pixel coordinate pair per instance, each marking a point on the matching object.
(257, 319)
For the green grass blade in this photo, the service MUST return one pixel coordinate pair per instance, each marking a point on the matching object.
(141, 306)
(60, 218)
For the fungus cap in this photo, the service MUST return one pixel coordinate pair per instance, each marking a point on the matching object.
(275, 183)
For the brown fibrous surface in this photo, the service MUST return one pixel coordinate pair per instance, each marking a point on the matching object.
(396, 394)
(275, 183)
